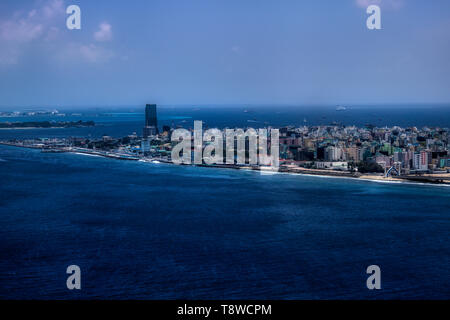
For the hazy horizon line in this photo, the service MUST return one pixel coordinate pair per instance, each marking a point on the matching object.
(233, 105)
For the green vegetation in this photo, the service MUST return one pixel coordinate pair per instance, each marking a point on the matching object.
(369, 167)
(47, 124)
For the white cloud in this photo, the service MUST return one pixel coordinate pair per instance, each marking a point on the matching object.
(391, 4)
(20, 31)
(52, 34)
(104, 33)
(366, 3)
(94, 53)
(53, 8)
(32, 13)
(79, 52)
(25, 27)
(44, 23)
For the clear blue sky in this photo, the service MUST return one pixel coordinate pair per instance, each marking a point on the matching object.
(223, 52)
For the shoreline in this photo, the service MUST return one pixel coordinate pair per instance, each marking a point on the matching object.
(285, 170)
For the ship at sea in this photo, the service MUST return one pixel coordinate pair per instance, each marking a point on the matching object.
(341, 108)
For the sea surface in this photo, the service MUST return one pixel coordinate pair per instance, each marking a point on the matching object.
(160, 231)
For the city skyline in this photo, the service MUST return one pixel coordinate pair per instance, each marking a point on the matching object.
(208, 52)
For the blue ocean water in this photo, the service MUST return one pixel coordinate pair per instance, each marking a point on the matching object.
(158, 231)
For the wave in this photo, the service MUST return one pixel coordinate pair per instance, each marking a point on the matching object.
(87, 154)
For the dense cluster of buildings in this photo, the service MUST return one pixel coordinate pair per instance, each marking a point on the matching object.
(408, 150)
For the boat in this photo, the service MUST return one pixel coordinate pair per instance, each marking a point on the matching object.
(341, 108)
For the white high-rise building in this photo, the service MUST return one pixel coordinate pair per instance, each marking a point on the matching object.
(145, 146)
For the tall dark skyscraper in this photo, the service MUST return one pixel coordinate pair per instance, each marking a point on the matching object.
(151, 121)
(150, 116)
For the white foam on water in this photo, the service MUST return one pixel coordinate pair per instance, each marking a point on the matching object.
(87, 154)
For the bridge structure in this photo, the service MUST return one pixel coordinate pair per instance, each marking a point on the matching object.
(395, 169)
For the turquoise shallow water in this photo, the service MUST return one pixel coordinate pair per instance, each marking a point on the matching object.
(157, 231)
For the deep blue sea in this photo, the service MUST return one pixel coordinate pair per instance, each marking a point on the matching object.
(159, 231)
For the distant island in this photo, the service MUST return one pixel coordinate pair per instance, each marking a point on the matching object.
(32, 113)
(46, 124)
